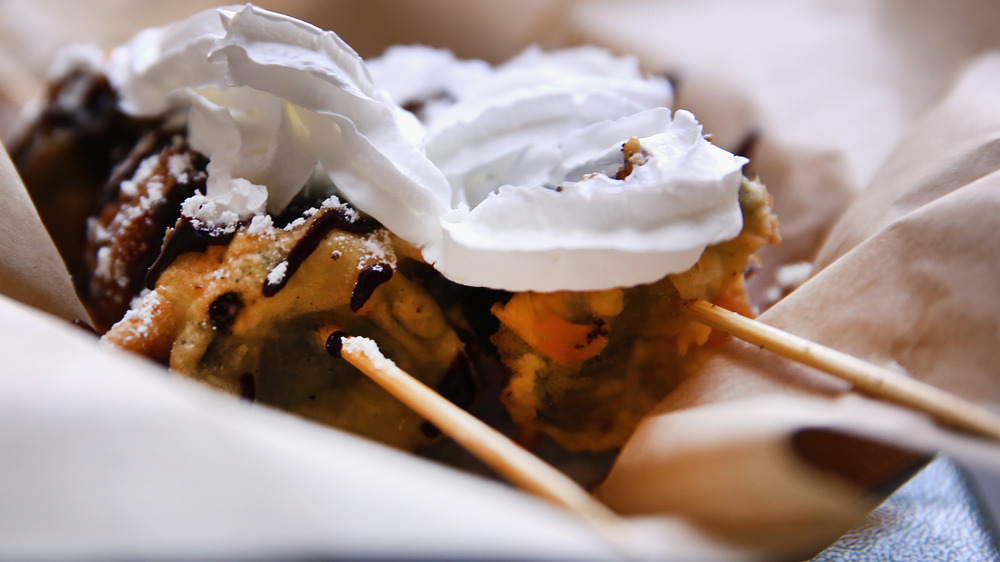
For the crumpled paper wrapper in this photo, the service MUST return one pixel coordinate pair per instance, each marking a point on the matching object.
(882, 149)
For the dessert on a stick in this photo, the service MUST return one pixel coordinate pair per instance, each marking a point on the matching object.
(262, 187)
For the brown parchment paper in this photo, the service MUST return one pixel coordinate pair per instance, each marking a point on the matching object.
(870, 139)
(31, 270)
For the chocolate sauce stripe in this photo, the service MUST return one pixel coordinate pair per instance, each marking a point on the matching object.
(335, 218)
(185, 237)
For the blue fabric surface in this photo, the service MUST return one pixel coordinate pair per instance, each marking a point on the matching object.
(937, 515)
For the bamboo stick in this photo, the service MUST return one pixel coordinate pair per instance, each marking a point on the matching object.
(875, 381)
(508, 459)
(530, 473)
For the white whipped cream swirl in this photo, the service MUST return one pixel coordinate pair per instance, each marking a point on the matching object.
(507, 181)
(270, 97)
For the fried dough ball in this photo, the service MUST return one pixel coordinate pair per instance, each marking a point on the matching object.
(251, 312)
(586, 366)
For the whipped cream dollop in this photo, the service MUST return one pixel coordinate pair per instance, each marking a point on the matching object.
(514, 177)
(269, 98)
(573, 224)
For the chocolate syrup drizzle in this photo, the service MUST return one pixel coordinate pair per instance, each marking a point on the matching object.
(165, 213)
(223, 311)
(369, 279)
(185, 237)
(337, 217)
(335, 343)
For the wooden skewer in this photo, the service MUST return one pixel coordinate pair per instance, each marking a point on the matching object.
(511, 461)
(870, 379)
(535, 476)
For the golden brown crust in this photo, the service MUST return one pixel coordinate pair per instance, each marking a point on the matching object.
(67, 155)
(210, 311)
(587, 366)
(126, 235)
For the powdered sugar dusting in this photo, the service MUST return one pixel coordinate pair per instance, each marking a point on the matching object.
(377, 248)
(103, 267)
(277, 273)
(178, 165)
(366, 347)
(295, 223)
(141, 315)
(98, 233)
(223, 212)
(146, 168)
(301, 220)
(334, 202)
(331, 202)
(142, 194)
(261, 225)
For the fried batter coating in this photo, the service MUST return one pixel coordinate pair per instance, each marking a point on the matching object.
(125, 237)
(587, 366)
(249, 311)
(217, 316)
(77, 142)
